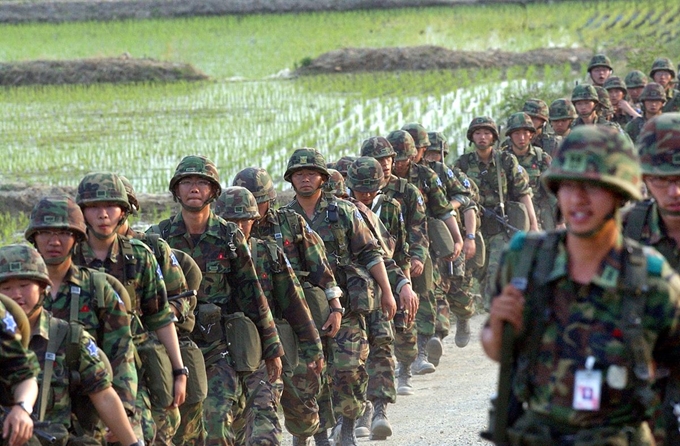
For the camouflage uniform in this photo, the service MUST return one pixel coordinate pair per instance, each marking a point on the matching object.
(549, 142)
(672, 95)
(17, 363)
(652, 91)
(616, 83)
(561, 109)
(636, 79)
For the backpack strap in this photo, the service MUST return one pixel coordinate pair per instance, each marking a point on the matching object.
(57, 333)
(539, 154)
(162, 228)
(75, 303)
(129, 268)
(463, 162)
(636, 219)
(152, 241)
(336, 228)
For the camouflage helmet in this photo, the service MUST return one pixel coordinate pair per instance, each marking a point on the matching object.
(584, 92)
(600, 155)
(562, 109)
(403, 144)
(536, 108)
(418, 133)
(23, 262)
(377, 147)
(635, 79)
(102, 187)
(364, 175)
(662, 64)
(600, 60)
(336, 183)
(615, 82)
(519, 121)
(131, 195)
(343, 164)
(196, 165)
(603, 99)
(482, 122)
(58, 212)
(653, 92)
(306, 158)
(438, 142)
(659, 145)
(257, 181)
(236, 203)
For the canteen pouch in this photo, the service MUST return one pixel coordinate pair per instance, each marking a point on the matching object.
(480, 252)
(243, 342)
(441, 242)
(318, 305)
(424, 282)
(156, 370)
(517, 215)
(197, 382)
(363, 292)
(208, 323)
(289, 342)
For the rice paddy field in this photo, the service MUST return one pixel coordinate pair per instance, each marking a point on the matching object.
(249, 113)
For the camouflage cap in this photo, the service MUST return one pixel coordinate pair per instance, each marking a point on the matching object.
(603, 99)
(102, 187)
(196, 165)
(584, 92)
(635, 79)
(131, 195)
(536, 108)
(615, 82)
(482, 122)
(600, 60)
(659, 145)
(364, 175)
(23, 262)
(257, 181)
(56, 212)
(600, 155)
(418, 133)
(403, 144)
(438, 142)
(306, 158)
(336, 183)
(236, 203)
(562, 109)
(653, 92)
(662, 64)
(343, 164)
(519, 121)
(377, 147)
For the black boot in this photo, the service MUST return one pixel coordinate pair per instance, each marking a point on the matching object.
(347, 437)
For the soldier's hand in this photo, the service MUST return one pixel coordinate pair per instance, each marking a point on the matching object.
(507, 307)
(332, 325)
(18, 427)
(469, 248)
(274, 369)
(457, 249)
(416, 267)
(316, 366)
(408, 301)
(389, 305)
(180, 390)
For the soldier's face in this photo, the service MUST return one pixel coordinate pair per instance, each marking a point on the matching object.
(245, 225)
(386, 163)
(194, 190)
(521, 139)
(25, 292)
(104, 217)
(306, 182)
(584, 108)
(263, 208)
(663, 78)
(433, 155)
(401, 167)
(365, 197)
(666, 192)
(538, 123)
(585, 206)
(54, 244)
(635, 93)
(599, 75)
(482, 138)
(561, 126)
(615, 96)
(653, 107)
(419, 154)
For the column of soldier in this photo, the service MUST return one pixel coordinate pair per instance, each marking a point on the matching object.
(198, 330)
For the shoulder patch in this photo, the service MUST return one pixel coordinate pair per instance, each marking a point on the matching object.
(159, 273)
(9, 323)
(118, 298)
(420, 201)
(466, 183)
(449, 173)
(173, 259)
(357, 215)
(439, 182)
(92, 349)
(519, 169)
(517, 241)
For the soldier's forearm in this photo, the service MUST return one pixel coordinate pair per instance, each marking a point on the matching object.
(168, 337)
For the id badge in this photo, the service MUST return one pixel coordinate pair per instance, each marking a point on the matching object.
(587, 390)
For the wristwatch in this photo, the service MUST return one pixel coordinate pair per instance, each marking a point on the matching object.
(178, 372)
(24, 405)
(470, 236)
(340, 310)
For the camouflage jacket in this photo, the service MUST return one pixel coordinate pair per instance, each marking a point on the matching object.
(599, 121)
(17, 363)
(303, 247)
(622, 119)
(139, 274)
(285, 296)
(389, 212)
(474, 196)
(229, 277)
(586, 320)
(648, 229)
(672, 101)
(634, 127)
(535, 162)
(513, 178)
(413, 209)
(454, 189)
(109, 326)
(549, 142)
(93, 374)
(432, 188)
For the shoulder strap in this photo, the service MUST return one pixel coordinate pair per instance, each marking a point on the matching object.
(152, 241)
(73, 353)
(57, 333)
(497, 156)
(162, 228)
(75, 303)
(129, 268)
(99, 285)
(463, 162)
(539, 153)
(636, 219)
(336, 228)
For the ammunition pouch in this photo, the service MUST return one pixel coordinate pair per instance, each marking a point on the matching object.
(424, 282)
(156, 371)
(289, 341)
(197, 382)
(490, 225)
(318, 304)
(441, 242)
(362, 291)
(243, 342)
(480, 252)
(517, 214)
(208, 326)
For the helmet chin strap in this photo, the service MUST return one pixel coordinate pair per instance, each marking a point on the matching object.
(669, 213)
(212, 198)
(39, 304)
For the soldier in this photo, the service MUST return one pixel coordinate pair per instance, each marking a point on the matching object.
(635, 81)
(60, 350)
(534, 161)
(562, 113)
(20, 367)
(230, 291)
(348, 241)
(590, 109)
(343, 163)
(103, 200)
(306, 398)
(336, 184)
(663, 73)
(482, 166)
(540, 114)
(289, 308)
(653, 99)
(623, 112)
(584, 372)
(55, 227)
(599, 69)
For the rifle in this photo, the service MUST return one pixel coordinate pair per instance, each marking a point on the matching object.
(187, 293)
(503, 220)
(38, 428)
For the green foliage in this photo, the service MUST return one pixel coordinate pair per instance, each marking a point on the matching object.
(12, 227)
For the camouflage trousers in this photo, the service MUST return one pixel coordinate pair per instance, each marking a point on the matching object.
(191, 430)
(347, 366)
(142, 418)
(405, 344)
(380, 362)
(224, 388)
(456, 299)
(256, 421)
(487, 275)
(167, 421)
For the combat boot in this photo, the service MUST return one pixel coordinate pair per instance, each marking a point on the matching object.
(363, 428)
(404, 386)
(321, 438)
(462, 332)
(347, 437)
(421, 366)
(380, 425)
(435, 349)
(300, 441)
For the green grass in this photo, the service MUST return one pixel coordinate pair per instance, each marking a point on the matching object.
(12, 227)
